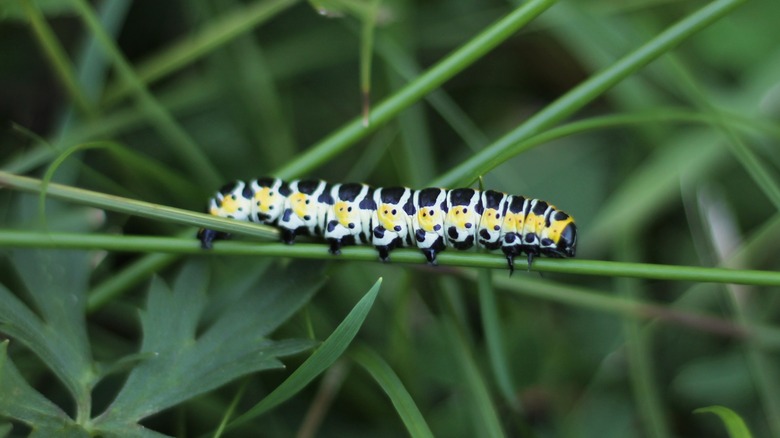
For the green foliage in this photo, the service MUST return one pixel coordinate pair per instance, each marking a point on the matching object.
(653, 123)
(733, 422)
(178, 360)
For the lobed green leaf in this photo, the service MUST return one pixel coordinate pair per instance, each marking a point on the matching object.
(185, 363)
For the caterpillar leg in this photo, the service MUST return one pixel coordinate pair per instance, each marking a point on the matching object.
(384, 250)
(510, 261)
(335, 246)
(430, 255)
(288, 236)
(384, 253)
(207, 237)
(431, 251)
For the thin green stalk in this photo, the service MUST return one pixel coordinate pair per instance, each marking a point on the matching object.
(482, 410)
(405, 66)
(188, 151)
(366, 54)
(136, 208)
(491, 325)
(581, 297)
(640, 357)
(415, 90)
(658, 115)
(29, 239)
(58, 58)
(589, 90)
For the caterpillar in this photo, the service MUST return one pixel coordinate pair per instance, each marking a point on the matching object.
(387, 218)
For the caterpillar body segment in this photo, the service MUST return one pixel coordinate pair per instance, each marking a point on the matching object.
(269, 198)
(494, 206)
(431, 219)
(463, 213)
(348, 215)
(392, 219)
(428, 221)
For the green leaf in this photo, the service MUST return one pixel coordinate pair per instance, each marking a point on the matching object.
(56, 283)
(391, 384)
(186, 361)
(319, 361)
(19, 401)
(734, 423)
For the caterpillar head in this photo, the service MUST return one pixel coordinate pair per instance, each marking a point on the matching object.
(559, 238)
(567, 242)
(232, 201)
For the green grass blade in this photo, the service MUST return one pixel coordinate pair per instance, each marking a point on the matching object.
(327, 353)
(445, 69)
(186, 148)
(589, 90)
(735, 425)
(481, 408)
(366, 54)
(402, 401)
(58, 58)
(491, 325)
(137, 208)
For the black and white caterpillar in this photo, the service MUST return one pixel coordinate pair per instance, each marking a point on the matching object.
(431, 219)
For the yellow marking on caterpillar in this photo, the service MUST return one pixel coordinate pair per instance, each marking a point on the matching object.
(489, 218)
(264, 200)
(229, 205)
(458, 217)
(342, 213)
(557, 227)
(427, 218)
(298, 202)
(387, 217)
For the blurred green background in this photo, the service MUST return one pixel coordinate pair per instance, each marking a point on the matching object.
(677, 164)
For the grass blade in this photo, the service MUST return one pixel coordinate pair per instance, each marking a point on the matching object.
(456, 62)
(483, 411)
(586, 92)
(733, 422)
(491, 325)
(327, 353)
(391, 384)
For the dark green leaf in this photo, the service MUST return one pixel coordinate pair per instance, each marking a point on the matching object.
(55, 282)
(19, 401)
(186, 363)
